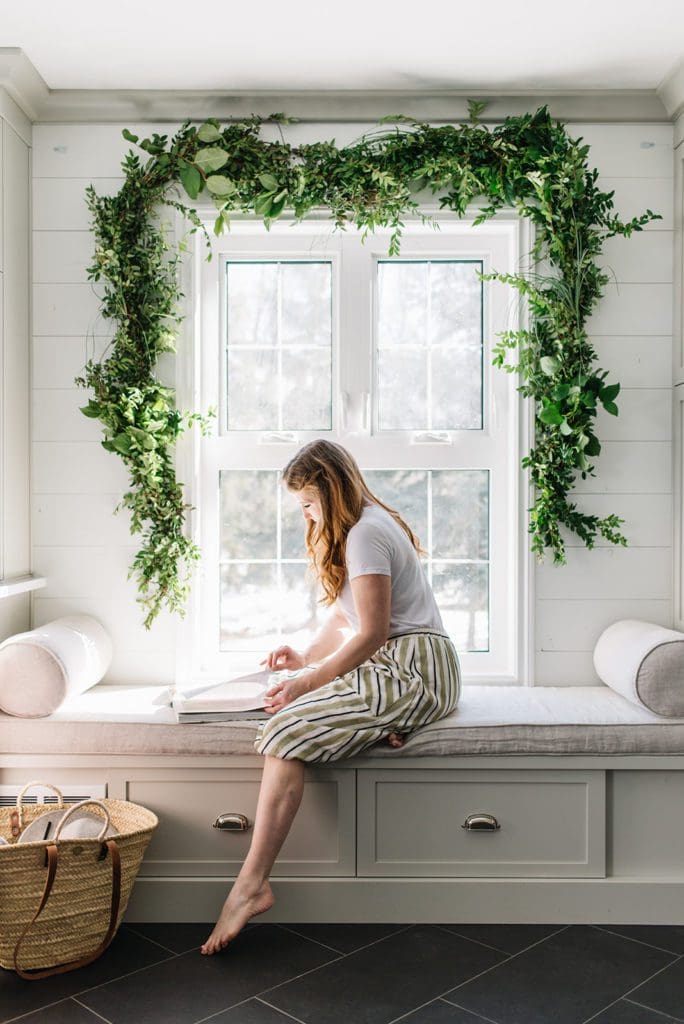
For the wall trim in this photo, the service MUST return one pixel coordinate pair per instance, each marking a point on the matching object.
(671, 91)
(41, 104)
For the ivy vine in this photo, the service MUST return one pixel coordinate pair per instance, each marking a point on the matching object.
(528, 162)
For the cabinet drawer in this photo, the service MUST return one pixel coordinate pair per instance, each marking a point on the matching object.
(552, 823)
(187, 802)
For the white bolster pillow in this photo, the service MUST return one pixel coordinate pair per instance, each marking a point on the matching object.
(645, 663)
(41, 668)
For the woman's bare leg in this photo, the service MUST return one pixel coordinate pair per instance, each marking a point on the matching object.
(280, 795)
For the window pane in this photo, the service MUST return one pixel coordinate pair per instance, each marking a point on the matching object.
(279, 345)
(252, 298)
(456, 389)
(306, 389)
(249, 607)
(293, 527)
(460, 514)
(248, 514)
(402, 390)
(300, 611)
(266, 598)
(402, 303)
(462, 595)
(252, 397)
(306, 312)
(429, 345)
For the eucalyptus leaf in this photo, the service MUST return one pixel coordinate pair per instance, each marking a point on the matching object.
(209, 133)
(191, 179)
(269, 182)
(219, 185)
(210, 159)
(549, 365)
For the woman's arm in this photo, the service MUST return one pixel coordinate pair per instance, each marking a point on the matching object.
(328, 639)
(372, 599)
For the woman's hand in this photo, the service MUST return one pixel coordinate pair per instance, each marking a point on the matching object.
(285, 691)
(284, 658)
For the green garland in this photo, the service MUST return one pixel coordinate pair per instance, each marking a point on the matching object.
(528, 162)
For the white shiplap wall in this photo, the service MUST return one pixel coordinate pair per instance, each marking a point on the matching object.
(84, 550)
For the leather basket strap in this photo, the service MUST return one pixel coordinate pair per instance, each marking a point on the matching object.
(52, 859)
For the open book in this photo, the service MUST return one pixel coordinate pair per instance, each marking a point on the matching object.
(242, 697)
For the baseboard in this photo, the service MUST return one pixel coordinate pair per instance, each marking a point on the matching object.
(420, 900)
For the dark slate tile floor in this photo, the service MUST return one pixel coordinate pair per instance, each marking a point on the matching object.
(369, 974)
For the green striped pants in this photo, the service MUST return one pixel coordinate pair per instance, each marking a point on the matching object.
(413, 679)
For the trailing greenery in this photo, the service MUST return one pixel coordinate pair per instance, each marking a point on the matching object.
(528, 162)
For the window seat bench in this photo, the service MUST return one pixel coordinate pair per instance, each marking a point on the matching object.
(526, 805)
(488, 720)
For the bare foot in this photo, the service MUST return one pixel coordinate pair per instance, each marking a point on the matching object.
(396, 739)
(242, 903)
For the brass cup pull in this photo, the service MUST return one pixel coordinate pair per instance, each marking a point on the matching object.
(481, 823)
(232, 822)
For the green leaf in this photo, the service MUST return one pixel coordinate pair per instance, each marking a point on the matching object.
(276, 209)
(92, 409)
(209, 133)
(593, 447)
(268, 181)
(549, 365)
(611, 407)
(475, 108)
(608, 393)
(551, 414)
(262, 203)
(219, 185)
(129, 136)
(191, 179)
(211, 159)
(122, 443)
(565, 428)
(219, 225)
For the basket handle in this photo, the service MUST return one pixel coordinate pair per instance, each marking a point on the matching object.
(17, 816)
(74, 807)
(52, 858)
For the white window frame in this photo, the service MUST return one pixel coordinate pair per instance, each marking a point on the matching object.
(502, 243)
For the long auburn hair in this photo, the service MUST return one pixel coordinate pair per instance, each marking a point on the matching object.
(333, 474)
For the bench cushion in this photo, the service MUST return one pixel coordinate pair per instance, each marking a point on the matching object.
(488, 720)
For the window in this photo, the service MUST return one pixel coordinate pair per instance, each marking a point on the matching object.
(303, 332)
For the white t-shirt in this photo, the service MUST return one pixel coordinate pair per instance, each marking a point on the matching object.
(377, 544)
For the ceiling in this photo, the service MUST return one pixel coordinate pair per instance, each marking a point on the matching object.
(359, 44)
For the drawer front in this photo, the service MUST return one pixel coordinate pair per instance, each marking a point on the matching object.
(552, 823)
(187, 802)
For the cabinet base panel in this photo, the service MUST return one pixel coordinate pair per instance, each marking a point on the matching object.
(429, 900)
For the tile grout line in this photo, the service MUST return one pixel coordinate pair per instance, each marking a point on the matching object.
(278, 1010)
(154, 942)
(486, 945)
(339, 951)
(414, 1009)
(94, 1012)
(625, 995)
(642, 942)
(642, 1006)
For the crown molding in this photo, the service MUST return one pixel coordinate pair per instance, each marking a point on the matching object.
(21, 81)
(671, 91)
(41, 104)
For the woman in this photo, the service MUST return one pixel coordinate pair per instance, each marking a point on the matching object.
(397, 672)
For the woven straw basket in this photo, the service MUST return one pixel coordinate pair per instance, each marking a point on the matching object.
(61, 900)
